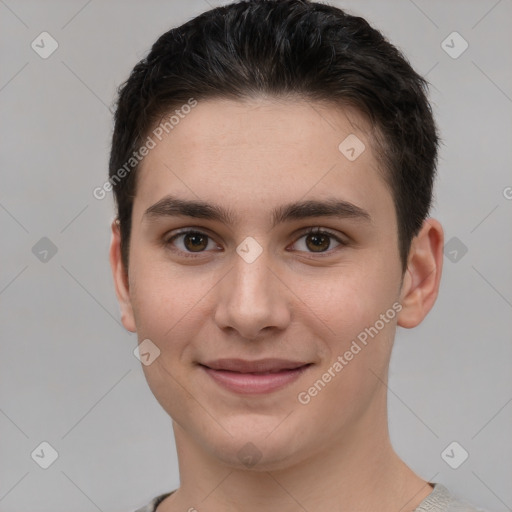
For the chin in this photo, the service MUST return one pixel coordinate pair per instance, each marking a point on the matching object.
(262, 449)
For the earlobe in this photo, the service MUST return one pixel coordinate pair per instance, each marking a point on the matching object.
(121, 279)
(421, 281)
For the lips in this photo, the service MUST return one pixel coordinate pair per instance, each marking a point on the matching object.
(259, 366)
(254, 377)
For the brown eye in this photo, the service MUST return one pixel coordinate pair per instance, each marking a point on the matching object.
(318, 242)
(189, 243)
(195, 241)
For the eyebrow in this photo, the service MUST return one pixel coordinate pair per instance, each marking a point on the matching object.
(171, 206)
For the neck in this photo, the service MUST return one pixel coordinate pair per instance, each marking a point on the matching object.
(358, 470)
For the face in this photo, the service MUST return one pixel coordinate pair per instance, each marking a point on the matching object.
(259, 283)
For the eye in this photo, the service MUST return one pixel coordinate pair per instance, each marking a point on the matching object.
(190, 242)
(317, 240)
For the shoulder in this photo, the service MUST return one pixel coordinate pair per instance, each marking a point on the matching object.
(441, 500)
(151, 506)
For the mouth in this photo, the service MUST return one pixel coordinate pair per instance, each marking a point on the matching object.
(254, 377)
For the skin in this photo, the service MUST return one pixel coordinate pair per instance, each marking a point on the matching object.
(292, 302)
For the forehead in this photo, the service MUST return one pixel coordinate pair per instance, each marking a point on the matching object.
(265, 147)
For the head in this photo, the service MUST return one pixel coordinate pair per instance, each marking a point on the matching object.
(247, 109)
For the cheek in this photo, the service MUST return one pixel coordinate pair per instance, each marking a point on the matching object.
(153, 311)
(161, 295)
(349, 299)
(352, 305)
(359, 311)
(171, 308)
(167, 309)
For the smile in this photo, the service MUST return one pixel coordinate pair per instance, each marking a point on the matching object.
(255, 377)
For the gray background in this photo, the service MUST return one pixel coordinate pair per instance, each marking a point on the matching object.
(68, 374)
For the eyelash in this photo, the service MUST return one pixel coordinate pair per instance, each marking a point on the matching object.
(309, 231)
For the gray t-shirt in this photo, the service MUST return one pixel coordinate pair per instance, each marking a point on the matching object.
(439, 500)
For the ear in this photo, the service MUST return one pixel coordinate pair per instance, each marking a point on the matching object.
(121, 279)
(421, 280)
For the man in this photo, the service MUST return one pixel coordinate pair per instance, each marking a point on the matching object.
(272, 164)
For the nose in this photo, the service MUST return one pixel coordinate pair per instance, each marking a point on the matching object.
(252, 299)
